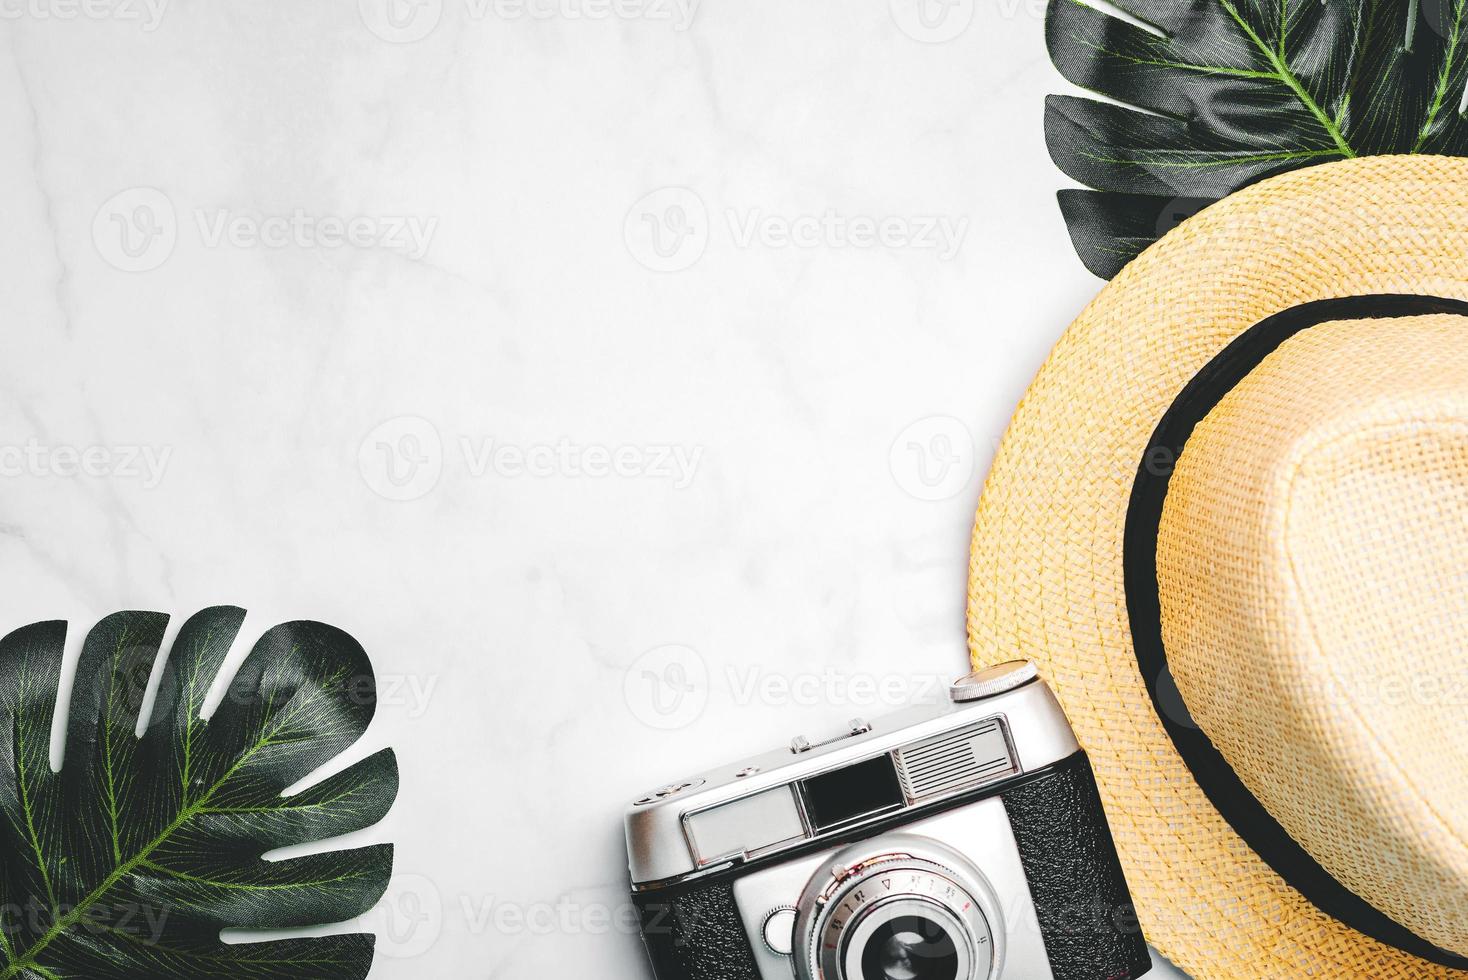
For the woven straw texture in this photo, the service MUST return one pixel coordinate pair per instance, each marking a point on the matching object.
(1046, 576)
(1311, 564)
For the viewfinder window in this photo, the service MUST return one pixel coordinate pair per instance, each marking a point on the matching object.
(861, 790)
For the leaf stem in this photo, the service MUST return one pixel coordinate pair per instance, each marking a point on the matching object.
(1445, 78)
(28, 959)
(25, 803)
(1285, 75)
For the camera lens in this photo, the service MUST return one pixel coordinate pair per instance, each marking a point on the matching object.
(910, 947)
(899, 907)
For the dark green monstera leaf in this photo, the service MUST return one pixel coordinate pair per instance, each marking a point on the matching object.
(130, 861)
(1218, 94)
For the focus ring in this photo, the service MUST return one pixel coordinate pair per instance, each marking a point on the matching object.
(897, 881)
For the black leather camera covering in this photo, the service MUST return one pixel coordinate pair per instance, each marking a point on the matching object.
(1081, 896)
(696, 934)
(693, 931)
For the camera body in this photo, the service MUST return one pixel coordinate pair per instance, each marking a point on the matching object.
(961, 841)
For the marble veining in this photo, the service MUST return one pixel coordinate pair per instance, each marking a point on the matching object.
(622, 373)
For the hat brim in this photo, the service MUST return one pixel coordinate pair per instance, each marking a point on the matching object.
(1046, 577)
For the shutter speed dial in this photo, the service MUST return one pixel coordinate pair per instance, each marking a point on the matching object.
(994, 681)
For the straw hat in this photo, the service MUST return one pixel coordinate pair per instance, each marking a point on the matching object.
(1230, 523)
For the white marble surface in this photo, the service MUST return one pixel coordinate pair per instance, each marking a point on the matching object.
(545, 346)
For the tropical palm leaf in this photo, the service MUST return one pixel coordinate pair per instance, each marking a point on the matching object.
(130, 861)
(1217, 94)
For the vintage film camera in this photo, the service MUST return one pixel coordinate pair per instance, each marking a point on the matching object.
(962, 841)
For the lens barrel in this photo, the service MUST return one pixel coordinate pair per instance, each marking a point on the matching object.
(899, 907)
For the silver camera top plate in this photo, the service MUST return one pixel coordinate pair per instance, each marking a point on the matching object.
(765, 805)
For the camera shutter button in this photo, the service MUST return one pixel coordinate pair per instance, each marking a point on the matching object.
(993, 681)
